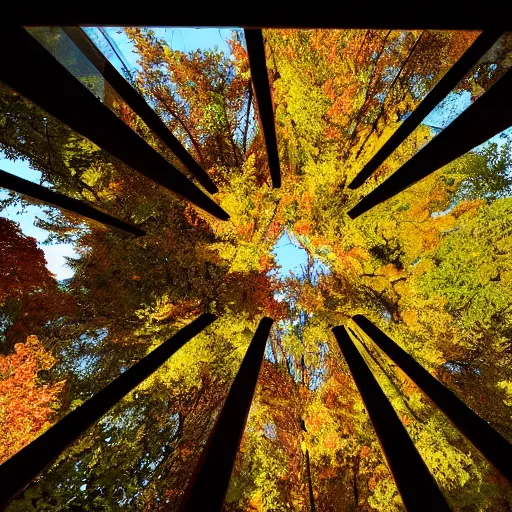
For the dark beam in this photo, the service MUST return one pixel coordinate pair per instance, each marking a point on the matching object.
(29, 189)
(454, 75)
(29, 69)
(259, 75)
(138, 104)
(415, 484)
(209, 484)
(486, 117)
(495, 448)
(374, 15)
(18, 471)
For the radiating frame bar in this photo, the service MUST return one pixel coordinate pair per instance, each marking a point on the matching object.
(29, 69)
(17, 472)
(259, 74)
(415, 484)
(495, 448)
(138, 104)
(29, 189)
(453, 76)
(488, 116)
(209, 484)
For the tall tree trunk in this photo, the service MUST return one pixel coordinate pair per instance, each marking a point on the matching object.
(310, 483)
(354, 481)
(246, 128)
(393, 83)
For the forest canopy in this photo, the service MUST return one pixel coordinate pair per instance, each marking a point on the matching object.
(432, 267)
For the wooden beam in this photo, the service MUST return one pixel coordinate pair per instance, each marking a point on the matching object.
(375, 15)
(34, 191)
(259, 75)
(209, 484)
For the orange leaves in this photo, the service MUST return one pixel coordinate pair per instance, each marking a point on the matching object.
(302, 227)
(26, 405)
(365, 452)
(410, 317)
(359, 252)
(266, 263)
(466, 207)
(390, 272)
(331, 441)
(194, 219)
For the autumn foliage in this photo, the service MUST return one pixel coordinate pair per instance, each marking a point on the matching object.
(27, 404)
(431, 266)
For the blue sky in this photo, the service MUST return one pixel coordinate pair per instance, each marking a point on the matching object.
(184, 39)
(55, 253)
(289, 256)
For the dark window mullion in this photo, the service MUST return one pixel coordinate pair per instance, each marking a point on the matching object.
(495, 448)
(29, 69)
(378, 16)
(138, 104)
(209, 484)
(415, 484)
(453, 76)
(487, 117)
(259, 75)
(29, 189)
(18, 471)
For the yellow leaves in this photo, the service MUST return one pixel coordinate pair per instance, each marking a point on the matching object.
(247, 257)
(410, 317)
(451, 465)
(331, 256)
(378, 283)
(390, 272)
(506, 386)
(225, 250)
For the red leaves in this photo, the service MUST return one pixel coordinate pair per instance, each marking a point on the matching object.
(22, 263)
(26, 284)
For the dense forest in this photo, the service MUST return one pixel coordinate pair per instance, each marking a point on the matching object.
(432, 267)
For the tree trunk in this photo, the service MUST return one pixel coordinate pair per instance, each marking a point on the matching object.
(310, 483)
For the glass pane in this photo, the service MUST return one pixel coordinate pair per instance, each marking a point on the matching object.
(60, 45)
(352, 88)
(458, 468)
(38, 147)
(308, 429)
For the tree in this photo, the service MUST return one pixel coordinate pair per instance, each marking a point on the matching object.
(27, 404)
